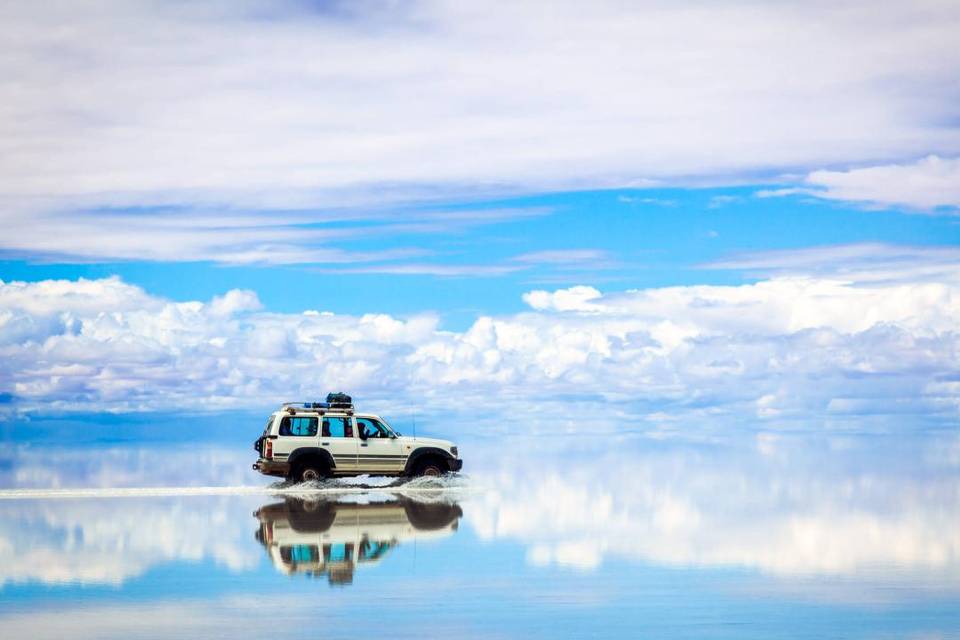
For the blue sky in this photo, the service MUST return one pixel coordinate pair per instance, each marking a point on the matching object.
(612, 239)
(713, 210)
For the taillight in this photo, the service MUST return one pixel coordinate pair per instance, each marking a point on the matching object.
(268, 449)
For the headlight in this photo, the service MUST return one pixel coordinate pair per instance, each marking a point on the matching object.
(454, 451)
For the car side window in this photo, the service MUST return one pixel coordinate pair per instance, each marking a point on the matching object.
(300, 554)
(371, 428)
(298, 426)
(337, 428)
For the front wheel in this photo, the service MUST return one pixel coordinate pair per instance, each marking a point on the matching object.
(431, 468)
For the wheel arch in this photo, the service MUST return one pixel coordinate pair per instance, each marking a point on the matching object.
(303, 454)
(419, 454)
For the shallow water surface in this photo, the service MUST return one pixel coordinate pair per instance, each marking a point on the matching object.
(773, 536)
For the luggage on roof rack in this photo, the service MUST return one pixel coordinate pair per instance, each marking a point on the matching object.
(339, 400)
(335, 402)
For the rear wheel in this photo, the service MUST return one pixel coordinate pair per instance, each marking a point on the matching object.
(309, 472)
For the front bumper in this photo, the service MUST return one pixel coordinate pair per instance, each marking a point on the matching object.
(455, 464)
(272, 467)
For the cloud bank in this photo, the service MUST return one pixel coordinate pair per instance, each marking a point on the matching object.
(786, 346)
(124, 119)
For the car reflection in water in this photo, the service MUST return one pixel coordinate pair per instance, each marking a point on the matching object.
(326, 537)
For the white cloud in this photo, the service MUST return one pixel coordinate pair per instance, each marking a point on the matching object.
(565, 265)
(718, 202)
(786, 347)
(264, 237)
(221, 107)
(430, 269)
(858, 262)
(925, 185)
(660, 202)
(786, 191)
(579, 259)
(564, 257)
(572, 299)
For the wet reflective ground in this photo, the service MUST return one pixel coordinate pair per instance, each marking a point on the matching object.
(766, 536)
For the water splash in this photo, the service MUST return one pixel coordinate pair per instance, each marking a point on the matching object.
(332, 486)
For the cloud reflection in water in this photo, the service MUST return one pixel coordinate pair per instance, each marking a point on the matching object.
(110, 541)
(788, 507)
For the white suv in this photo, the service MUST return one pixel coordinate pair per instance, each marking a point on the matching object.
(306, 441)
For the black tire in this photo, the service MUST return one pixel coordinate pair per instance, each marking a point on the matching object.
(310, 516)
(431, 466)
(310, 471)
(431, 517)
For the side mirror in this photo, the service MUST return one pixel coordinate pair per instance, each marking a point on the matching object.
(362, 433)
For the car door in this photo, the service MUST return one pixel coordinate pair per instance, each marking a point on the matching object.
(378, 452)
(338, 436)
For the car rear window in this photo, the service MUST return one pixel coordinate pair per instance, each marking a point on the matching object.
(303, 426)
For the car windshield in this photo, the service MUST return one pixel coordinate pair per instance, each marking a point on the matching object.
(390, 430)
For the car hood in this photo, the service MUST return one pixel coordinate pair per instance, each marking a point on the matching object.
(427, 442)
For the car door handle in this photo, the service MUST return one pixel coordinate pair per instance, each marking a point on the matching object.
(325, 444)
(364, 444)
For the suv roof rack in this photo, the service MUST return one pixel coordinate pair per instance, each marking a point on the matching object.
(322, 407)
